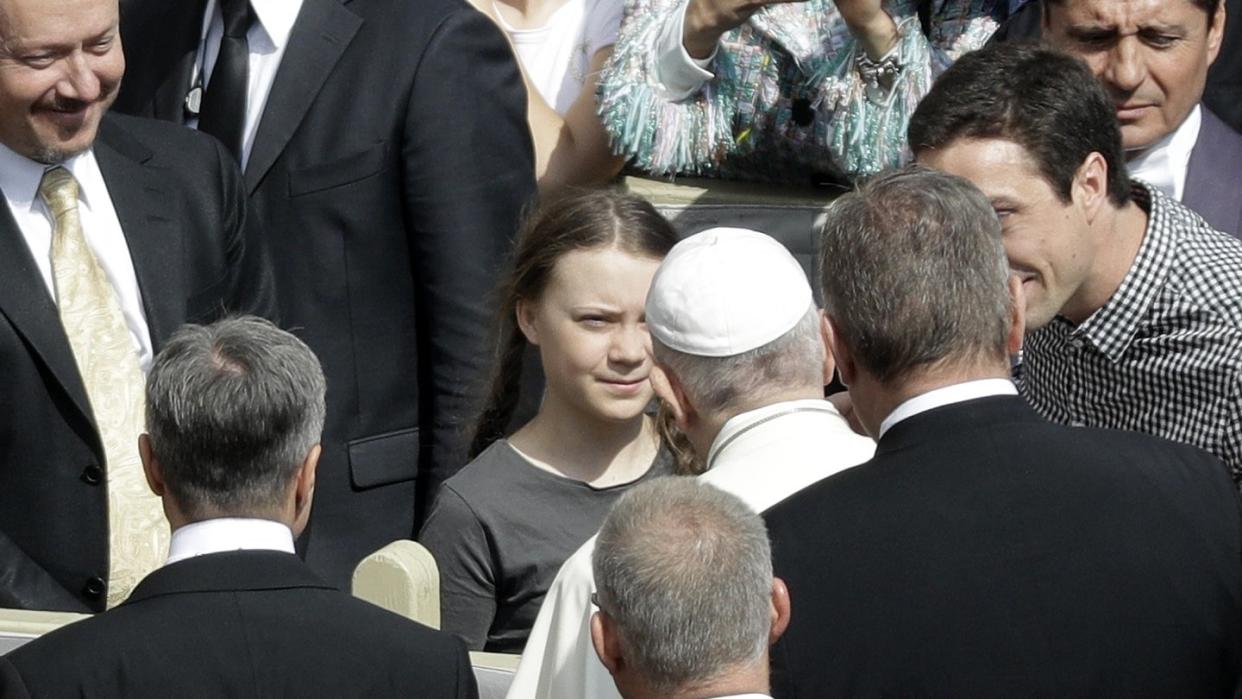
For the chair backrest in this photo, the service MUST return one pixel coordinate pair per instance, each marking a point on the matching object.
(402, 577)
(20, 625)
(494, 673)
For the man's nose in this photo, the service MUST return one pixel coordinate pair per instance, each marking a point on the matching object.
(1127, 67)
(80, 81)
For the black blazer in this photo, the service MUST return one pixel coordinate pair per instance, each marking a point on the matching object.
(240, 624)
(389, 170)
(182, 208)
(986, 552)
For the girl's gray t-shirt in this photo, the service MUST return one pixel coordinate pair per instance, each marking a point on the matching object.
(499, 531)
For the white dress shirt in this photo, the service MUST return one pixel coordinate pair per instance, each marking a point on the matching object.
(679, 74)
(228, 534)
(1164, 164)
(267, 39)
(762, 456)
(957, 393)
(19, 180)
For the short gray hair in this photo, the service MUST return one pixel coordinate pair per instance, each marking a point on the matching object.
(720, 384)
(914, 273)
(233, 408)
(685, 571)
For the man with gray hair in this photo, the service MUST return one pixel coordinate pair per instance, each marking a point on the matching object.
(234, 415)
(985, 551)
(670, 625)
(740, 366)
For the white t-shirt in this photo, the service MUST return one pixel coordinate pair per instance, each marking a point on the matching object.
(558, 55)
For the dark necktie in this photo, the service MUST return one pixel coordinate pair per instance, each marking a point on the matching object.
(224, 103)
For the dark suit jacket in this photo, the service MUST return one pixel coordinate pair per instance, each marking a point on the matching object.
(389, 170)
(181, 205)
(986, 552)
(1214, 177)
(240, 624)
(1223, 92)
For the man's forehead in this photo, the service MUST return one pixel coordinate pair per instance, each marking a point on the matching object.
(49, 19)
(1122, 14)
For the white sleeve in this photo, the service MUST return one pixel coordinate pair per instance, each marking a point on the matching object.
(676, 71)
(602, 24)
(559, 660)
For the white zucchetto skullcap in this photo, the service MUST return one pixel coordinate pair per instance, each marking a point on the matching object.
(726, 291)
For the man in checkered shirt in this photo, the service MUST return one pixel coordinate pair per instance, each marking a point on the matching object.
(1133, 303)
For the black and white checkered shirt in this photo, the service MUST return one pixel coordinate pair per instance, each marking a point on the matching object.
(1164, 355)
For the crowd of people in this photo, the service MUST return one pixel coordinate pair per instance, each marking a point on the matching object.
(259, 255)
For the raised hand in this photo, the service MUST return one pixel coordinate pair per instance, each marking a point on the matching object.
(707, 20)
(870, 24)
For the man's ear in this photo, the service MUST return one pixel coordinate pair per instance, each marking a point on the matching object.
(1017, 315)
(607, 645)
(1216, 32)
(304, 490)
(780, 610)
(668, 389)
(830, 365)
(151, 465)
(836, 347)
(1089, 190)
(524, 314)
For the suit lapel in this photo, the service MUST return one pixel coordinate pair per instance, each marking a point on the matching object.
(25, 301)
(142, 201)
(1209, 190)
(321, 34)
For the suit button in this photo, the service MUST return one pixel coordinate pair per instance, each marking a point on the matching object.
(92, 475)
(95, 588)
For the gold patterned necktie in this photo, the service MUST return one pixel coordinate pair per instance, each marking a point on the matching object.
(108, 363)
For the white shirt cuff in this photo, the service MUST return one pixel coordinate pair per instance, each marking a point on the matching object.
(678, 74)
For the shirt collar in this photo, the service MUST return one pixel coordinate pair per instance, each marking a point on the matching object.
(1113, 326)
(947, 395)
(228, 534)
(277, 18)
(743, 422)
(1164, 163)
(20, 176)
(274, 17)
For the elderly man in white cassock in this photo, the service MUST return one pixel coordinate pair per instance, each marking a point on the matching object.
(741, 367)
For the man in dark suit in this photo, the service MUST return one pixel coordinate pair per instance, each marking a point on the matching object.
(1165, 98)
(386, 152)
(985, 551)
(113, 232)
(235, 411)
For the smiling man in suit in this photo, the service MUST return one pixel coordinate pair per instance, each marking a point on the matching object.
(385, 149)
(114, 232)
